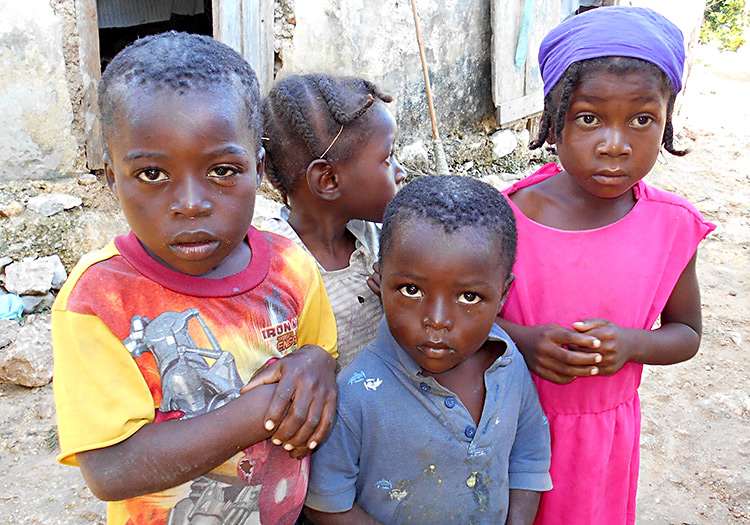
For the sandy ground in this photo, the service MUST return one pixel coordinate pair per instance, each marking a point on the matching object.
(696, 416)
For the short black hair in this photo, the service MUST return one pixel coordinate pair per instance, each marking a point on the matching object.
(557, 101)
(179, 62)
(453, 202)
(304, 113)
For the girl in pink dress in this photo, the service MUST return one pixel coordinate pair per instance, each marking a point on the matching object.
(601, 255)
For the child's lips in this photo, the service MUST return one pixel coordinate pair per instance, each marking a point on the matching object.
(435, 350)
(194, 247)
(610, 178)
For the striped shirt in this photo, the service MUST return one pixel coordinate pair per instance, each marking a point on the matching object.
(356, 308)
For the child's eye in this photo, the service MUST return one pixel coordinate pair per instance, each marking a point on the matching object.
(641, 121)
(469, 298)
(410, 290)
(221, 172)
(152, 175)
(587, 120)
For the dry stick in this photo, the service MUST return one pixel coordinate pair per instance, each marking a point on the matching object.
(440, 160)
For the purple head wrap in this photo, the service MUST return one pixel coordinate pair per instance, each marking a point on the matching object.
(635, 32)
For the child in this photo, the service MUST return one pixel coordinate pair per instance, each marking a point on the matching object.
(438, 419)
(330, 155)
(155, 335)
(602, 256)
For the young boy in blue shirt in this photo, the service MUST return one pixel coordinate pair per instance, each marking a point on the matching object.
(158, 337)
(438, 420)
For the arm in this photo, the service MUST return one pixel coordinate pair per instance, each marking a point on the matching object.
(166, 454)
(355, 516)
(676, 340)
(522, 507)
(304, 401)
(544, 350)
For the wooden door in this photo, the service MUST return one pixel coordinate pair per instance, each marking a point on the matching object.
(247, 26)
(518, 27)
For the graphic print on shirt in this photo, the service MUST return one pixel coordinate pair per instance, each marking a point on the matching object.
(371, 383)
(263, 487)
(283, 325)
(188, 383)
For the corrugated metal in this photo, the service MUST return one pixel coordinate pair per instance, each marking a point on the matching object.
(124, 13)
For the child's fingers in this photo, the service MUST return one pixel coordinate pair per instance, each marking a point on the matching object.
(585, 325)
(280, 401)
(265, 376)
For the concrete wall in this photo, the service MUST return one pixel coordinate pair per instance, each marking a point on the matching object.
(377, 40)
(36, 116)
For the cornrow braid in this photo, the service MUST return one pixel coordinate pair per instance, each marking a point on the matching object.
(557, 101)
(304, 113)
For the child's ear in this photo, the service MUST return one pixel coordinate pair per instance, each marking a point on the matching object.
(109, 174)
(260, 167)
(552, 135)
(506, 289)
(323, 180)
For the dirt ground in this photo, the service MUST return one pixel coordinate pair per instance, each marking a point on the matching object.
(696, 416)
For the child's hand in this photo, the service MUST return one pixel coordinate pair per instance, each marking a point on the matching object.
(374, 280)
(304, 403)
(544, 348)
(615, 348)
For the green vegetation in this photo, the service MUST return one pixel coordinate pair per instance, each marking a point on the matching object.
(725, 21)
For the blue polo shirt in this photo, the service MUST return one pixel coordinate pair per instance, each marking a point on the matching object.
(407, 450)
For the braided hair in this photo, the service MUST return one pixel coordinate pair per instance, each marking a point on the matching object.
(179, 62)
(557, 101)
(453, 202)
(303, 114)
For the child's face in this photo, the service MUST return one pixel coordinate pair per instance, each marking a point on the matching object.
(371, 177)
(184, 170)
(613, 131)
(441, 292)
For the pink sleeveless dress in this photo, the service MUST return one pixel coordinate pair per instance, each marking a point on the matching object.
(623, 272)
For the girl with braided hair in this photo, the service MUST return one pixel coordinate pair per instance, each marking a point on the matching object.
(601, 255)
(330, 155)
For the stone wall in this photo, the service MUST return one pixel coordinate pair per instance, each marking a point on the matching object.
(36, 114)
(377, 40)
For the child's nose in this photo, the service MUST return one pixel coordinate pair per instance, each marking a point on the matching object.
(614, 143)
(190, 200)
(438, 316)
(399, 173)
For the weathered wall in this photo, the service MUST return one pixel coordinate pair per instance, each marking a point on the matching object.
(377, 40)
(36, 117)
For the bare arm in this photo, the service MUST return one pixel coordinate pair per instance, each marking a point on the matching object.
(522, 507)
(543, 348)
(355, 516)
(676, 340)
(166, 454)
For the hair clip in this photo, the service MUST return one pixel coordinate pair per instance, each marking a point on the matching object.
(265, 138)
(332, 142)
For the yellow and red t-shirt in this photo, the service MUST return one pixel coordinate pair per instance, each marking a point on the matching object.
(136, 342)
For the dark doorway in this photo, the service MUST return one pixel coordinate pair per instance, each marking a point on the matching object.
(121, 22)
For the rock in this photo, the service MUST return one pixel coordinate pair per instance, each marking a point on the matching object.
(36, 303)
(523, 137)
(86, 179)
(27, 360)
(415, 155)
(494, 180)
(13, 208)
(8, 332)
(35, 276)
(53, 203)
(4, 261)
(265, 208)
(504, 143)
